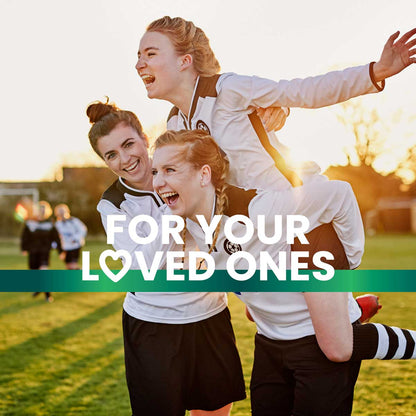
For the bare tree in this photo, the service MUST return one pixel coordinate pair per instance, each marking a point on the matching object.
(374, 144)
(408, 164)
(375, 138)
(368, 130)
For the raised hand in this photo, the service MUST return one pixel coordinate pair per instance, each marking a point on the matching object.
(273, 118)
(397, 55)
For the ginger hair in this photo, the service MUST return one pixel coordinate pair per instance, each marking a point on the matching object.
(105, 117)
(200, 149)
(188, 39)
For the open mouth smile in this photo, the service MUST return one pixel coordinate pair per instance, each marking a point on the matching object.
(147, 79)
(170, 198)
(131, 168)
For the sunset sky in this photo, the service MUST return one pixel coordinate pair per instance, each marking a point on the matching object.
(59, 56)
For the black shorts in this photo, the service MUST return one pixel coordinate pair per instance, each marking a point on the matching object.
(72, 256)
(295, 378)
(171, 368)
(38, 259)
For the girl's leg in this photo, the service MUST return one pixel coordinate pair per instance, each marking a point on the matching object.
(48, 296)
(378, 341)
(224, 411)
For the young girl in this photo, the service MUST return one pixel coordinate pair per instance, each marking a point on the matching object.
(180, 350)
(297, 332)
(38, 238)
(72, 232)
(176, 64)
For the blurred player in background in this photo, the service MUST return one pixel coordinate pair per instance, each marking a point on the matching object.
(72, 232)
(38, 238)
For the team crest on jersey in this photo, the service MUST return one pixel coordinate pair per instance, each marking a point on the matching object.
(200, 125)
(231, 248)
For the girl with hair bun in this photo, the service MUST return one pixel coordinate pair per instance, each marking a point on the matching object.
(180, 350)
(299, 335)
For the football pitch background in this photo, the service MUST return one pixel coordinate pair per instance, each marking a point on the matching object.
(66, 358)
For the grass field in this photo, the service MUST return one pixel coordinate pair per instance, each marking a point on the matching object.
(66, 358)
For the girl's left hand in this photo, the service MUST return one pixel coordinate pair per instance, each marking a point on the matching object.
(273, 118)
(396, 56)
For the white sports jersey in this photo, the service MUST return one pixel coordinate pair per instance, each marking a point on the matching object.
(72, 232)
(169, 307)
(286, 315)
(224, 105)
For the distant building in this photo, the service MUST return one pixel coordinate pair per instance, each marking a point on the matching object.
(392, 214)
(384, 203)
(102, 177)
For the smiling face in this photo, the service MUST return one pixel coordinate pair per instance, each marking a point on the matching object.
(125, 152)
(159, 66)
(187, 190)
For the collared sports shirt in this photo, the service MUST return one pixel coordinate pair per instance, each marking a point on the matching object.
(169, 307)
(286, 315)
(224, 106)
(72, 232)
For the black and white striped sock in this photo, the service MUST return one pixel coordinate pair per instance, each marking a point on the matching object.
(378, 341)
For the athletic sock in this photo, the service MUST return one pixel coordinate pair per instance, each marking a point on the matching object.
(378, 341)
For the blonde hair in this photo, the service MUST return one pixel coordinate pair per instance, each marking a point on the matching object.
(188, 39)
(62, 207)
(105, 117)
(200, 149)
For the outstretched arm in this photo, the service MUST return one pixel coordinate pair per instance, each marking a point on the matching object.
(397, 55)
(244, 92)
(340, 341)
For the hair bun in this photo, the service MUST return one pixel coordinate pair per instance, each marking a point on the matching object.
(98, 110)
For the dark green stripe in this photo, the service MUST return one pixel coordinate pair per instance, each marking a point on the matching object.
(71, 281)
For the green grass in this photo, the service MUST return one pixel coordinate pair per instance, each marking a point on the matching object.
(393, 251)
(390, 251)
(387, 388)
(66, 358)
(12, 259)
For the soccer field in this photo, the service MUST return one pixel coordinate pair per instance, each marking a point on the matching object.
(392, 251)
(66, 358)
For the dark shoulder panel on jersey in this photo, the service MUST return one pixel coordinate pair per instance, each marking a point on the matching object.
(279, 161)
(238, 200)
(323, 238)
(174, 112)
(206, 88)
(116, 194)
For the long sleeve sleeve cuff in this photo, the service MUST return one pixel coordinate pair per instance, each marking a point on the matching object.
(379, 85)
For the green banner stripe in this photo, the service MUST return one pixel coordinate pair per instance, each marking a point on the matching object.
(220, 281)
